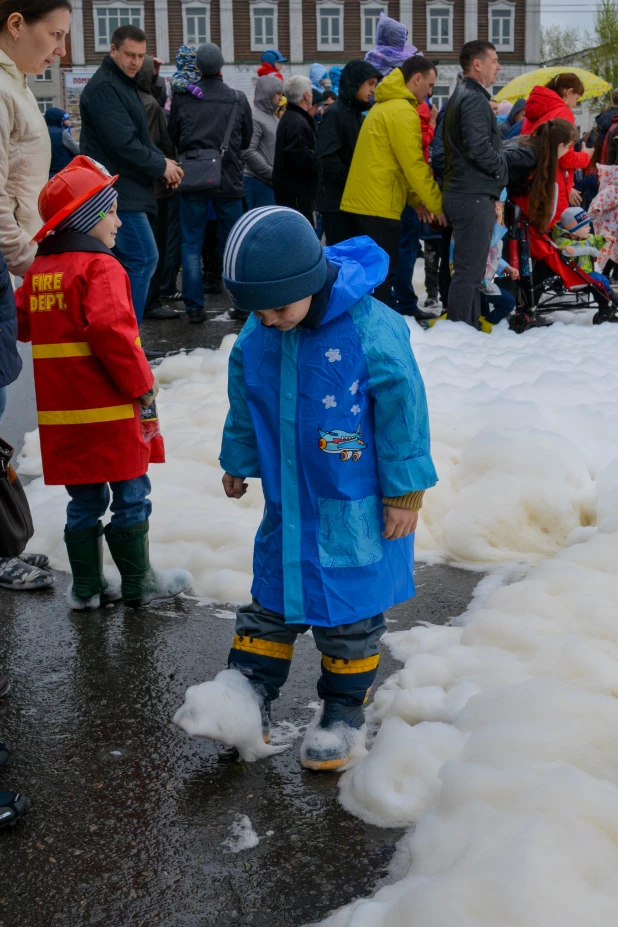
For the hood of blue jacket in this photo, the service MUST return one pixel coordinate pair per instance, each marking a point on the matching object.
(54, 116)
(317, 72)
(362, 267)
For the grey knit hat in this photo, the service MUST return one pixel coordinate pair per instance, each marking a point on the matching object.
(209, 59)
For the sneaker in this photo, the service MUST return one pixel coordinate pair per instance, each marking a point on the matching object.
(20, 576)
(421, 316)
(162, 312)
(5, 685)
(240, 315)
(604, 315)
(195, 316)
(13, 806)
(172, 298)
(431, 303)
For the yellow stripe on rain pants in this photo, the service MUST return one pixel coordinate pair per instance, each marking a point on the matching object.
(86, 416)
(348, 667)
(263, 648)
(66, 349)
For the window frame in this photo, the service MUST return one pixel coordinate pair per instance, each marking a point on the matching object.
(43, 78)
(501, 6)
(112, 5)
(264, 4)
(49, 101)
(444, 97)
(320, 6)
(192, 5)
(364, 7)
(448, 5)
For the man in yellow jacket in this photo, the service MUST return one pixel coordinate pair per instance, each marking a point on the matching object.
(388, 168)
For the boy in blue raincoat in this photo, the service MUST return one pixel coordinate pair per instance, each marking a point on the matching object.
(328, 409)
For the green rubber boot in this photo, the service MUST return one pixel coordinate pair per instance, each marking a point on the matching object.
(89, 588)
(141, 583)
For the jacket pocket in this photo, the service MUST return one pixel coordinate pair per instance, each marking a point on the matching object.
(350, 532)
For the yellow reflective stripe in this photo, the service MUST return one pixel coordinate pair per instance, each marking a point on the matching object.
(138, 341)
(350, 666)
(66, 349)
(86, 416)
(263, 648)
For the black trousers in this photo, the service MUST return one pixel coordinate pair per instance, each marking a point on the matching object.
(338, 226)
(385, 233)
(473, 218)
(159, 224)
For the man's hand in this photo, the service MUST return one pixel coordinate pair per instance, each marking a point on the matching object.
(575, 197)
(511, 272)
(442, 220)
(157, 62)
(173, 173)
(148, 398)
(423, 213)
(399, 523)
(234, 486)
(433, 115)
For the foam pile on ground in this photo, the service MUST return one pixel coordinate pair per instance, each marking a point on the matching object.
(242, 836)
(521, 428)
(498, 742)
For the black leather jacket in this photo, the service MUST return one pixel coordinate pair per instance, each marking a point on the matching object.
(474, 161)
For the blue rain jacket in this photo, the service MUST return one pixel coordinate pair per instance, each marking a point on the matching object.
(330, 420)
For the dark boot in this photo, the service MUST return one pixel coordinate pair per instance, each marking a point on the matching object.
(605, 315)
(339, 734)
(5, 685)
(141, 583)
(266, 664)
(13, 806)
(89, 588)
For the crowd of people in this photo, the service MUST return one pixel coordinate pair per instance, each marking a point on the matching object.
(242, 197)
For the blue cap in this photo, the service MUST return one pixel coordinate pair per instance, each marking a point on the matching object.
(272, 258)
(271, 56)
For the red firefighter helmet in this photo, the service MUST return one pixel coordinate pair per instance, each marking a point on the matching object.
(68, 189)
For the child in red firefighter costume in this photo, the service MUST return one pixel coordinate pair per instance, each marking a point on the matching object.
(92, 378)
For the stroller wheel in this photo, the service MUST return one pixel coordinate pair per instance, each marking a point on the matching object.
(605, 315)
(520, 322)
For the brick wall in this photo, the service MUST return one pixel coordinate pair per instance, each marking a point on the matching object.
(94, 57)
(520, 29)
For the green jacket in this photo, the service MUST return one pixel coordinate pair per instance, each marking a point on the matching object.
(585, 261)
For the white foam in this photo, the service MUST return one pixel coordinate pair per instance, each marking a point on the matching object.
(242, 836)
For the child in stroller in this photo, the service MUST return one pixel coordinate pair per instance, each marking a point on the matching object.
(574, 237)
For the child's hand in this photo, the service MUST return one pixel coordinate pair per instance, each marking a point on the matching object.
(399, 523)
(609, 239)
(148, 398)
(511, 272)
(570, 251)
(234, 486)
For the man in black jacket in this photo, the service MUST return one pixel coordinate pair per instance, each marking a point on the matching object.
(201, 125)
(115, 133)
(335, 146)
(295, 170)
(475, 173)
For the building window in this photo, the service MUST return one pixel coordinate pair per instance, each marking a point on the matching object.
(196, 22)
(107, 18)
(330, 26)
(495, 90)
(441, 93)
(502, 25)
(46, 75)
(370, 14)
(439, 26)
(45, 103)
(264, 26)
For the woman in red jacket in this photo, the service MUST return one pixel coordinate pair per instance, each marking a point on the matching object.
(557, 100)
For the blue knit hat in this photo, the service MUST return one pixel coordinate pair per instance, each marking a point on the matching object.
(272, 258)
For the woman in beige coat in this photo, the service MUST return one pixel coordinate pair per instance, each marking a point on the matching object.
(32, 36)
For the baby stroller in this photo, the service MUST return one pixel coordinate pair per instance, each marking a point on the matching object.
(549, 280)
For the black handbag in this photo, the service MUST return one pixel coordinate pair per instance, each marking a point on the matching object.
(16, 526)
(202, 166)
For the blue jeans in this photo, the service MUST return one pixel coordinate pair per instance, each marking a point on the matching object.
(2, 400)
(193, 219)
(258, 193)
(405, 299)
(90, 501)
(137, 249)
(495, 308)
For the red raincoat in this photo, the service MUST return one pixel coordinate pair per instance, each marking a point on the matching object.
(89, 368)
(545, 104)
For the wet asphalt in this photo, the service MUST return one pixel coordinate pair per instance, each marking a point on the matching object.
(129, 816)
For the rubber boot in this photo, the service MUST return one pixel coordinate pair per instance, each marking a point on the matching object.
(485, 325)
(141, 583)
(338, 735)
(89, 588)
(266, 664)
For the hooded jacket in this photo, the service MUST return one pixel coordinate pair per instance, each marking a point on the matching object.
(63, 145)
(604, 121)
(260, 155)
(509, 122)
(317, 72)
(267, 68)
(473, 160)
(10, 361)
(337, 137)
(545, 104)
(388, 168)
(332, 419)
(392, 47)
(115, 133)
(25, 154)
(157, 123)
(200, 124)
(295, 171)
(89, 368)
